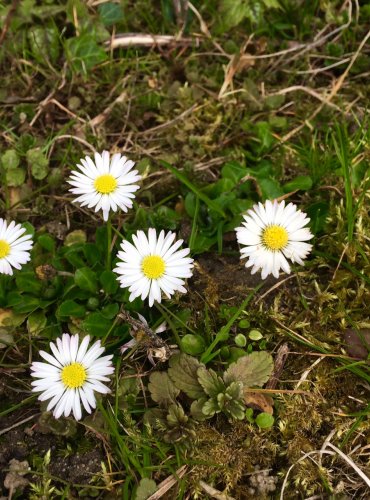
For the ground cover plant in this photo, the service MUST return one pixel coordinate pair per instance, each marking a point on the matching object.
(184, 249)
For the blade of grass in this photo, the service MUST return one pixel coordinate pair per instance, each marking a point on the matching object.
(182, 178)
(223, 333)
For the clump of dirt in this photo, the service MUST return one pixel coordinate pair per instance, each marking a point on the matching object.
(69, 461)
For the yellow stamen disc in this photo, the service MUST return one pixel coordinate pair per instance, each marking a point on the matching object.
(153, 266)
(275, 237)
(4, 249)
(105, 184)
(74, 375)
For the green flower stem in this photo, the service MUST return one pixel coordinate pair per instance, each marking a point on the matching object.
(109, 243)
(223, 334)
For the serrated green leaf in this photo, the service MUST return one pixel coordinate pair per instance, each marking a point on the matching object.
(233, 12)
(252, 370)
(85, 278)
(84, 53)
(10, 159)
(196, 409)
(38, 163)
(183, 372)
(145, 489)
(176, 416)
(162, 389)
(210, 381)
(44, 42)
(211, 407)
(15, 177)
(235, 409)
(36, 322)
(235, 391)
(71, 308)
(110, 13)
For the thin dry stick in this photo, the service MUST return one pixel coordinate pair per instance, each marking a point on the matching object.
(340, 261)
(100, 118)
(333, 92)
(167, 484)
(306, 455)
(4, 431)
(277, 285)
(309, 91)
(75, 138)
(8, 18)
(280, 359)
(320, 70)
(184, 114)
(213, 493)
(351, 463)
(144, 40)
(306, 372)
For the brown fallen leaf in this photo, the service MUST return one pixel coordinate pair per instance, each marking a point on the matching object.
(357, 342)
(259, 401)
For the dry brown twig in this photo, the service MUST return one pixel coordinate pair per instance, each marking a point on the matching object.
(333, 93)
(213, 493)
(8, 18)
(168, 483)
(146, 40)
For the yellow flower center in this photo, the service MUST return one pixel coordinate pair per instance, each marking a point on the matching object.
(153, 266)
(4, 249)
(105, 184)
(73, 375)
(275, 237)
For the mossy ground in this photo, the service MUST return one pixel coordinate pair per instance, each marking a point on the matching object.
(291, 111)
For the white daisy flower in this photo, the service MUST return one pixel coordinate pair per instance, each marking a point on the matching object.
(71, 375)
(153, 265)
(14, 248)
(106, 184)
(272, 234)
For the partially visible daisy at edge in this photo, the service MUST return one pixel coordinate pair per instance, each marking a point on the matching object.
(71, 375)
(271, 234)
(14, 248)
(108, 183)
(153, 265)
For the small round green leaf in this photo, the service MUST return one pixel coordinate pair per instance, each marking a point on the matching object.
(255, 335)
(240, 340)
(265, 420)
(193, 344)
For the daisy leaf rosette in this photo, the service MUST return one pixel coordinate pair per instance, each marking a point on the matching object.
(15, 246)
(107, 183)
(71, 375)
(152, 265)
(271, 234)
